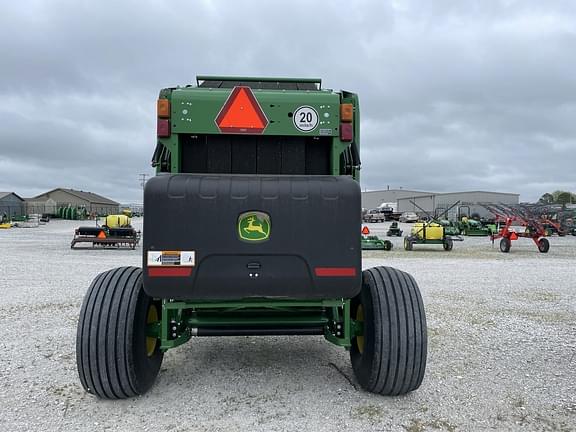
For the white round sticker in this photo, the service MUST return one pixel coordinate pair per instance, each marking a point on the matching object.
(305, 118)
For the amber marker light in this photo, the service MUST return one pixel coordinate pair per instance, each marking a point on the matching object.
(163, 108)
(346, 112)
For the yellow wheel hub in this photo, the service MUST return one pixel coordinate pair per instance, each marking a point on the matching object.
(360, 318)
(150, 319)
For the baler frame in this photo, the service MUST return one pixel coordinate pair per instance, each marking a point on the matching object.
(182, 320)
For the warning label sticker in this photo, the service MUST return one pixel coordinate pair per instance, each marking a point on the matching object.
(171, 258)
(305, 118)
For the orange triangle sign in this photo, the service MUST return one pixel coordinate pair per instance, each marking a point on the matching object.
(101, 235)
(241, 113)
(365, 230)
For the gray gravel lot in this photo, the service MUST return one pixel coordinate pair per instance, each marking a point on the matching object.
(502, 350)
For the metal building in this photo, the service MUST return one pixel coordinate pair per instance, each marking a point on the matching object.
(468, 203)
(373, 199)
(50, 201)
(11, 205)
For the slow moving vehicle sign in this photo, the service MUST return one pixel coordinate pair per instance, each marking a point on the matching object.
(241, 113)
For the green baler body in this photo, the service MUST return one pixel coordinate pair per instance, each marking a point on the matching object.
(194, 109)
(194, 112)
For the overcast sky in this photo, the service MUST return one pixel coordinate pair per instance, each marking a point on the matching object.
(455, 95)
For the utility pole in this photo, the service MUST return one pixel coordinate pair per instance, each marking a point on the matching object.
(143, 180)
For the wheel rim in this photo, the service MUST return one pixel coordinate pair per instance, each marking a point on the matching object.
(360, 318)
(151, 317)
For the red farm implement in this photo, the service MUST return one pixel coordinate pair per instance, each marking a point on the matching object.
(509, 217)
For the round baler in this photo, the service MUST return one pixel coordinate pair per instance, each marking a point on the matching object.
(252, 228)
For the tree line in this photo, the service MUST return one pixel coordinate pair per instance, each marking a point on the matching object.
(558, 197)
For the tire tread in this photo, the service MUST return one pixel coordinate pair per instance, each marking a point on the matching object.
(398, 362)
(105, 335)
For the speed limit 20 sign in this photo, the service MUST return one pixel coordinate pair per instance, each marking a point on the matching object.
(305, 119)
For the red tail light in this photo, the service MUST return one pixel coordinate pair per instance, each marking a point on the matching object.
(346, 132)
(163, 128)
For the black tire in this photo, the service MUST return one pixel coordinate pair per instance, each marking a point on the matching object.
(407, 244)
(112, 356)
(387, 245)
(543, 245)
(390, 358)
(448, 244)
(505, 244)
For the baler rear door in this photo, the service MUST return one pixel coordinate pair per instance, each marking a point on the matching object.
(230, 237)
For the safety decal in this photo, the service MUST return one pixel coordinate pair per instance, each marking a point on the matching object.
(171, 258)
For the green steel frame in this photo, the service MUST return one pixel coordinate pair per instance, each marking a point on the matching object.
(257, 79)
(211, 100)
(180, 318)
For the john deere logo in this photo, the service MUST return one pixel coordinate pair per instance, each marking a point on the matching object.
(254, 226)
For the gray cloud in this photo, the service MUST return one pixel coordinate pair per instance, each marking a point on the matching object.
(455, 95)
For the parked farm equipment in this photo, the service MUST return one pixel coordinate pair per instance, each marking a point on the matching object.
(5, 222)
(29, 221)
(450, 228)
(372, 242)
(473, 227)
(431, 232)
(394, 230)
(116, 232)
(72, 213)
(519, 215)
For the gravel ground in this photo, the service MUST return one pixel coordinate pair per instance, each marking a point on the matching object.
(502, 350)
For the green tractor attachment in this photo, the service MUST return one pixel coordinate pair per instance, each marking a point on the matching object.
(373, 242)
(472, 227)
(251, 229)
(394, 230)
(431, 232)
(450, 228)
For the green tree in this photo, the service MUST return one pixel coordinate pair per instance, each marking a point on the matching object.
(558, 197)
(564, 198)
(547, 198)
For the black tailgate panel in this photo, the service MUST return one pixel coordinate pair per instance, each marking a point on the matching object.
(312, 252)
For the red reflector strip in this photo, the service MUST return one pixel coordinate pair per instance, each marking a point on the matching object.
(335, 271)
(169, 271)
